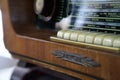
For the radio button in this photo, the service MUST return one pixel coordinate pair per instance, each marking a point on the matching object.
(74, 35)
(108, 40)
(82, 36)
(60, 33)
(67, 34)
(116, 43)
(90, 37)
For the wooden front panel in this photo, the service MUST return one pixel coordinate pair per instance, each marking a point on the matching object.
(106, 71)
(42, 51)
(26, 41)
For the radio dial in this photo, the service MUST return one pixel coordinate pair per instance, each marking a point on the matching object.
(45, 9)
(39, 6)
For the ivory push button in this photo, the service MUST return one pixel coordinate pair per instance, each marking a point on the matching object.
(74, 35)
(90, 37)
(60, 33)
(67, 35)
(82, 36)
(99, 39)
(108, 40)
(116, 43)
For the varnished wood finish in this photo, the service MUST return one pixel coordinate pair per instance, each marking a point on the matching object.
(34, 46)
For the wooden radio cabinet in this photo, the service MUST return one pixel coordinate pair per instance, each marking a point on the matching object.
(27, 43)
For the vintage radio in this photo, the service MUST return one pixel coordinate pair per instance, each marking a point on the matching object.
(78, 38)
(93, 23)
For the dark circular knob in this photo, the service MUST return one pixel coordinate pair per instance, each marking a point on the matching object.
(45, 9)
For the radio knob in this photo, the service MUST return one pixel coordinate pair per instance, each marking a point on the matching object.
(39, 4)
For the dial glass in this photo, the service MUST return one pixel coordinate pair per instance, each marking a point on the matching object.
(91, 15)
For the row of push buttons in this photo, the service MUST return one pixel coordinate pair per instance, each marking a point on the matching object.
(97, 38)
